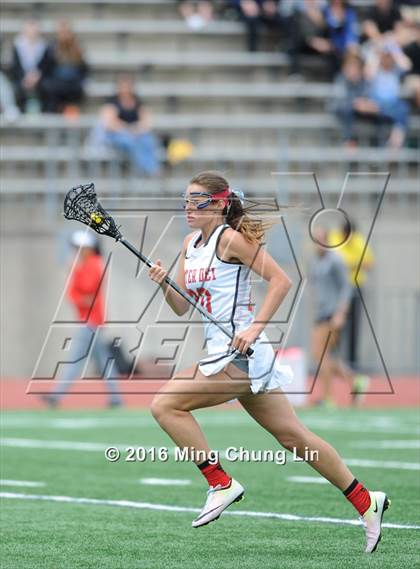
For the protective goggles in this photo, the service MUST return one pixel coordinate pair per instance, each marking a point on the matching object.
(200, 200)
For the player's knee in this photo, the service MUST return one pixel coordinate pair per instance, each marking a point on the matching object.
(159, 408)
(292, 438)
(164, 407)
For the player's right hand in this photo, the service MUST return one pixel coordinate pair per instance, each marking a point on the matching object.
(157, 273)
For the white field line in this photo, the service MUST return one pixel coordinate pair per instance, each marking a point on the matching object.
(49, 445)
(388, 464)
(381, 423)
(166, 508)
(388, 445)
(165, 481)
(308, 479)
(26, 483)
(100, 447)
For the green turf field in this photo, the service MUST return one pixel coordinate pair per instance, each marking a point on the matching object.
(65, 452)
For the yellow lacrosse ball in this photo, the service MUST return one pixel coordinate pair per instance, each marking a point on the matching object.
(96, 218)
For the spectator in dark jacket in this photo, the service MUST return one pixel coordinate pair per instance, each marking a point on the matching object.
(329, 30)
(64, 85)
(306, 31)
(342, 25)
(381, 18)
(31, 64)
(255, 14)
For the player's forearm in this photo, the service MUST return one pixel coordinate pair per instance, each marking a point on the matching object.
(276, 293)
(178, 304)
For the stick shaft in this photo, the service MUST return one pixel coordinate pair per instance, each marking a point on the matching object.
(179, 290)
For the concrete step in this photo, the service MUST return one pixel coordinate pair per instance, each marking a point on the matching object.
(103, 9)
(233, 97)
(140, 34)
(131, 26)
(244, 138)
(217, 106)
(253, 186)
(193, 65)
(260, 154)
(256, 122)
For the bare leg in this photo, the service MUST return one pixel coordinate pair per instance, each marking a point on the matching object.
(332, 366)
(322, 357)
(172, 405)
(274, 412)
(337, 366)
(340, 370)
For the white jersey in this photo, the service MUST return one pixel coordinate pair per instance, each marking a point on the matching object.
(223, 288)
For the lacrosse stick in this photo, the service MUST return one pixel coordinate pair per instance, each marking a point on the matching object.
(81, 203)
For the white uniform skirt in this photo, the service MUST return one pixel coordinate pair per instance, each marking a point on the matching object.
(265, 371)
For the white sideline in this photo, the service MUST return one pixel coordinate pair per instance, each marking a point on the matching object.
(46, 444)
(388, 444)
(388, 464)
(165, 481)
(26, 483)
(308, 479)
(165, 508)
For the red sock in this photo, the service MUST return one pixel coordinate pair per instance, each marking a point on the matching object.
(357, 494)
(214, 474)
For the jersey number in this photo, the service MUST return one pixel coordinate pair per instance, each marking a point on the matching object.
(203, 296)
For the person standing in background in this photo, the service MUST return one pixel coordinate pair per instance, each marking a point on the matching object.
(351, 252)
(332, 292)
(85, 293)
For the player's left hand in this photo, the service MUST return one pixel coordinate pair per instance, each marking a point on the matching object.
(243, 340)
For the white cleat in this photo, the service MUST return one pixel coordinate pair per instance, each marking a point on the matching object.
(218, 499)
(372, 519)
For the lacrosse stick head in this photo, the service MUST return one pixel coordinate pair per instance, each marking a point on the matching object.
(81, 203)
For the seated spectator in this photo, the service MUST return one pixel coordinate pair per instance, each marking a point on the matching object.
(257, 13)
(408, 37)
(8, 108)
(342, 31)
(410, 11)
(381, 18)
(31, 63)
(412, 79)
(384, 69)
(197, 14)
(327, 29)
(307, 31)
(125, 124)
(64, 84)
(349, 87)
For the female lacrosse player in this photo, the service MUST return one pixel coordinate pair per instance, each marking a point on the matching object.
(215, 267)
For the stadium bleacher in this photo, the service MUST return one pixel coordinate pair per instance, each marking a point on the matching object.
(238, 109)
